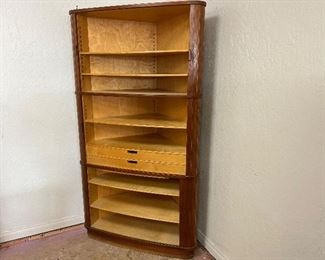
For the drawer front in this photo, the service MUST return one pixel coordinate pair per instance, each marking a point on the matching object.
(131, 154)
(137, 165)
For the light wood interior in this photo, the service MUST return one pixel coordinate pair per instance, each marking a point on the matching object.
(135, 49)
(160, 232)
(149, 205)
(133, 111)
(158, 186)
(154, 127)
(136, 53)
(134, 78)
(137, 93)
(140, 205)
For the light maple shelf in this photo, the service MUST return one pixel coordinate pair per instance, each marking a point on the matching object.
(138, 184)
(139, 205)
(137, 53)
(142, 120)
(136, 92)
(137, 75)
(160, 232)
(149, 142)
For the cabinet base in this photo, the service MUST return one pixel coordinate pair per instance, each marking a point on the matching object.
(142, 245)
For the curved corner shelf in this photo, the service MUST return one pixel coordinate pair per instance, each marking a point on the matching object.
(137, 184)
(136, 75)
(136, 93)
(141, 120)
(137, 53)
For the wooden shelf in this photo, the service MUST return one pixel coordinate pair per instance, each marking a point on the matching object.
(135, 92)
(140, 205)
(150, 142)
(137, 53)
(138, 184)
(142, 120)
(149, 230)
(137, 75)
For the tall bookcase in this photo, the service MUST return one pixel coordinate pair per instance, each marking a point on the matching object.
(137, 75)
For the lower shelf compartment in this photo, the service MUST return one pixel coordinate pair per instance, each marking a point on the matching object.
(147, 206)
(148, 230)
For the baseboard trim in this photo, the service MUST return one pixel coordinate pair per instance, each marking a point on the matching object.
(210, 246)
(42, 228)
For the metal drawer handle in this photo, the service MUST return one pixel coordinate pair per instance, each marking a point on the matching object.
(132, 161)
(132, 151)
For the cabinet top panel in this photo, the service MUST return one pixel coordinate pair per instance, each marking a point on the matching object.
(98, 10)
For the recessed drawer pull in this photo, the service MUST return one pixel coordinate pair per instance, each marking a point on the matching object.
(132, 161)
(132, 151)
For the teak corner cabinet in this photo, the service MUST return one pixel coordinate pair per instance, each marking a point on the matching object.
(137, 75)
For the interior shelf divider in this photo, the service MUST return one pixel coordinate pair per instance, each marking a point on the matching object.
(142, 120)
(137, 53)
(137, 75)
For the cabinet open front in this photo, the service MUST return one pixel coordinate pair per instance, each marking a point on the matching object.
(118, 201)
(137, 73)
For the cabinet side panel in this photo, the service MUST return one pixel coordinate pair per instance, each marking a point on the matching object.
(194, 81)
(193, 135)
(74, 32)
(196, 50)
(188, 208)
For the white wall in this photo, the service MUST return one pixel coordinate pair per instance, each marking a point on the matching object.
(262, 160)
(262, 125)
(39, 157)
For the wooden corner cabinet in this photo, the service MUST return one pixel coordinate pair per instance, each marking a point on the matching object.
(137, 76)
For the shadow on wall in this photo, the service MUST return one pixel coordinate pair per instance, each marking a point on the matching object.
(207, 103)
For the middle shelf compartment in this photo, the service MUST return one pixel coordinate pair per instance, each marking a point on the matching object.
(136, 111)
(145, 206)
(136, 133)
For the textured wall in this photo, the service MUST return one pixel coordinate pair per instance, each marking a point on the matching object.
(262, 126)
(40, 184)
(262, 163)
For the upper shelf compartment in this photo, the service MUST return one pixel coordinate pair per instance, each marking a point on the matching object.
(145, 31)
(143, 52)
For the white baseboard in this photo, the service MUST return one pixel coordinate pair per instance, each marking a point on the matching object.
(210, 246)
(57, 224)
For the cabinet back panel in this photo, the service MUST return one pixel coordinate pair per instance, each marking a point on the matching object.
(119, 106)
(173, 63)
(115, 83)
(112, 131)
(173, 33)
(109, 35)
(127, 64)
(99, 107)
(172, 84)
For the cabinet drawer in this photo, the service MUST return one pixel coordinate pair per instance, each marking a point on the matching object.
(138, 165)
(131, 154)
